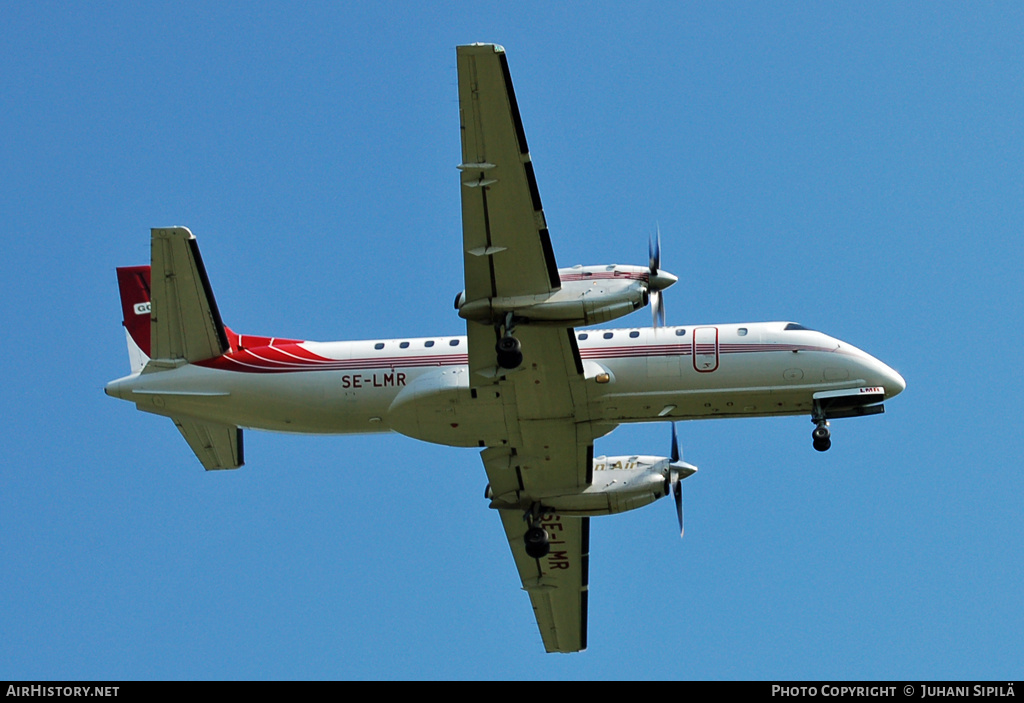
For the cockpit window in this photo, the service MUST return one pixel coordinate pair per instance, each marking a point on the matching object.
(795, 326)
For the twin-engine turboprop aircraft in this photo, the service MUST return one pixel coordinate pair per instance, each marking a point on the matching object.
(523, 384)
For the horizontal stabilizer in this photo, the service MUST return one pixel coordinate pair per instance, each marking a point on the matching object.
(216, 446)
(185, 322)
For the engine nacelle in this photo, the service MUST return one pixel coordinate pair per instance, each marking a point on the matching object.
(620, 483)
(588, 295)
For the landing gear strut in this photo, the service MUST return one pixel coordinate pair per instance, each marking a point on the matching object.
(821, 437)
(508, 348)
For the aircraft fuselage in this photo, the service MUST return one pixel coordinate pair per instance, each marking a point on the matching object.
(420, 387)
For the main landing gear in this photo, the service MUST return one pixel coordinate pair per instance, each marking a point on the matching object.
(508, 348)
(510, 352)
(536, 539)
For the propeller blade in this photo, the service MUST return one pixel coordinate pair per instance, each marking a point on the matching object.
(678, 493)
(656, 279)
(675, 445)
(654, 252)
(657, 308)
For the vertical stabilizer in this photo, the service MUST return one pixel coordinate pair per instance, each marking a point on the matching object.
(133, 283)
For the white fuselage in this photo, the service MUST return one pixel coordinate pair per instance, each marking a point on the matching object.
(420, 387)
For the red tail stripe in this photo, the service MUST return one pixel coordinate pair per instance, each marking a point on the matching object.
(133, 284)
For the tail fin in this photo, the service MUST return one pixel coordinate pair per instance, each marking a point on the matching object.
(172, 321)
(133, 283)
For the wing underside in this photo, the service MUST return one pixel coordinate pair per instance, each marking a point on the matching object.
(507, 248)
(557, 583)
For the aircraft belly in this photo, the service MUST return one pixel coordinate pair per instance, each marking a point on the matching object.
(739, 386)
(312, 402)
(440, 407)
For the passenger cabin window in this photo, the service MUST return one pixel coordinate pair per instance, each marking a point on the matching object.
(453, 343)
(378, 345)
(404, 345)
(582, 336)
(608, 335)
(634, 334)
(429, 343)
(680, 332)
(742, 331)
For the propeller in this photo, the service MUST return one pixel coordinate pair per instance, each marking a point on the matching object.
(657, 280)
(677, 471)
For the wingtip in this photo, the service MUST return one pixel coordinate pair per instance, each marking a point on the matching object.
(496, 48)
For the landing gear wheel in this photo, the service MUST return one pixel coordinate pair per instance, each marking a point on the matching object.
(510, 352)
(537, 543)
(822, 438)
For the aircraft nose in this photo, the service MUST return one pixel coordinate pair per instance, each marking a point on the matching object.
(880, 374)
(894, 383)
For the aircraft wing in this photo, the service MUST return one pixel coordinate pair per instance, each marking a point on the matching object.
(506, 244)
(507, 254)
(547, 453)
(557, 584)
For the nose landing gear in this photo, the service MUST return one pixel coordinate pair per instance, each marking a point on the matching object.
(822, 438)
(845, 402)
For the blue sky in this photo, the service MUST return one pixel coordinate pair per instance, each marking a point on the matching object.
(855, 167)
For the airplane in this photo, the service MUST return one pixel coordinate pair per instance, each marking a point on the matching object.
(523, 385)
